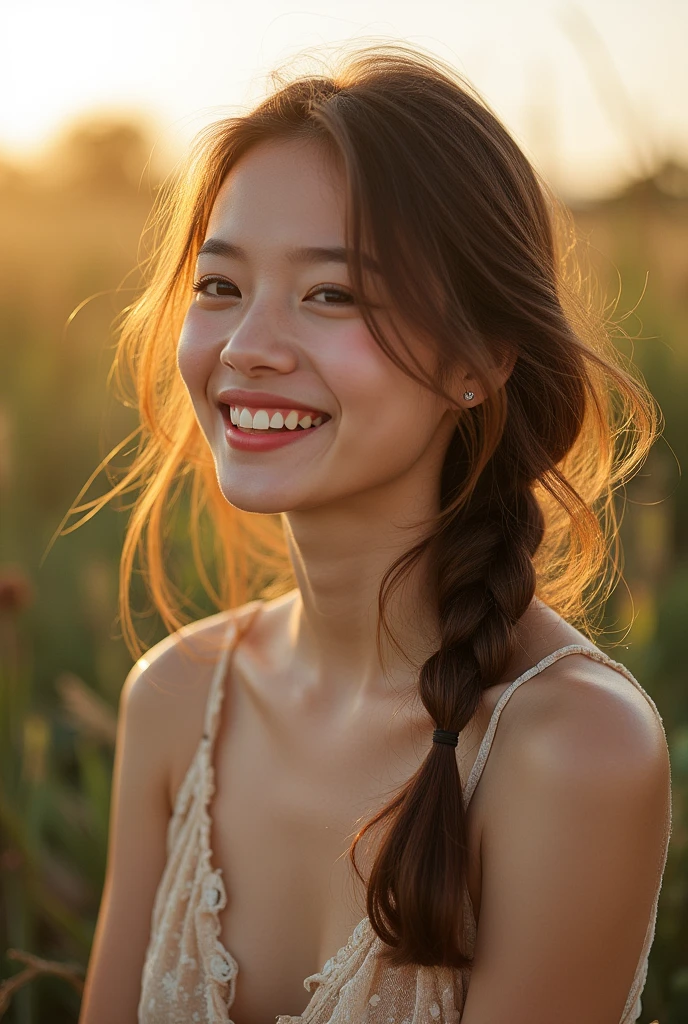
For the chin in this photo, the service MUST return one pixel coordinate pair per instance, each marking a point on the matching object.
(259, 498)
(247, 501)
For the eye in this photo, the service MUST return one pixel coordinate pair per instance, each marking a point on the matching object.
(343, 298)
(201, 286)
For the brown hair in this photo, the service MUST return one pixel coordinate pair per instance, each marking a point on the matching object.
(478, 258)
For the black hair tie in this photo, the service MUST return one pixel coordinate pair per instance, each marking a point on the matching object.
(445, 736)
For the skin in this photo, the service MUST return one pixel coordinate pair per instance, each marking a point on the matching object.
(566, 826)
(351, 493)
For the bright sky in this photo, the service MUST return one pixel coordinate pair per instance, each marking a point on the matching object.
(585, 87)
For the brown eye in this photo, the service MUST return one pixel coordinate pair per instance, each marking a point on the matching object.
(342, 298)
(202, 286)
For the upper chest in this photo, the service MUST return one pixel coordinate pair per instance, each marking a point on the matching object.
(291, 791)
(293, 787)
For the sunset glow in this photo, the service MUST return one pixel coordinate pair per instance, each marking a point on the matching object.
(585, 87)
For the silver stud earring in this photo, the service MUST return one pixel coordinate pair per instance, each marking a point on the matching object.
(468, 395)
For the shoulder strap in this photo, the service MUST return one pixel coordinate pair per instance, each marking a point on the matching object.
(590, 652)
(233, 633)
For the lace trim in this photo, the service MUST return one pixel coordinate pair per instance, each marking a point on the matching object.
(363, 930)
(327, 976)
(222, 968)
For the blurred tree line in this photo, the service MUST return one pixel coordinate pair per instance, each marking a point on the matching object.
(69, 230)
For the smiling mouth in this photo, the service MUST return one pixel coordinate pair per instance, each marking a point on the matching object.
(266, 420)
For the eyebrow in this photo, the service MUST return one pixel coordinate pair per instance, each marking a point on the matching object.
(308, 254)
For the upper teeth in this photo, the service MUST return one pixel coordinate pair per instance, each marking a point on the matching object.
(261, 419)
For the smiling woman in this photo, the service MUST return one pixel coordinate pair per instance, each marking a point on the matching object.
(359, 344)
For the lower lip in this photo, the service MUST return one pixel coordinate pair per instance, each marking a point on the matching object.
(264, 442)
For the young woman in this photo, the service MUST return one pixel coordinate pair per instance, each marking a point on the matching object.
(358, 330)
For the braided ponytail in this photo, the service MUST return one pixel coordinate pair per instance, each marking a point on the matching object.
(485, 581)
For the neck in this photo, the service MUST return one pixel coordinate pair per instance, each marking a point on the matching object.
(339, 555)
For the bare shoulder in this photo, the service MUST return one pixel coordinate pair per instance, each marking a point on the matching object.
(178, 666)
(163, 665)
(583, 714)
(167, 689)
(583, 705)
(573, 847)
(581, 735)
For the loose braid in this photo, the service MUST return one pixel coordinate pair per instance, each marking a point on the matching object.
(485, 580)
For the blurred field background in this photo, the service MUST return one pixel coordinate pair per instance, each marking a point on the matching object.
(70, 223)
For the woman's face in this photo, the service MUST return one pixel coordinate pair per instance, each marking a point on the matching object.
(273, 337)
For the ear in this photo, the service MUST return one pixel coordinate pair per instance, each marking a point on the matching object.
(499, 374)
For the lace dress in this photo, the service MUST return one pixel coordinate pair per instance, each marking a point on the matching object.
(188, 975)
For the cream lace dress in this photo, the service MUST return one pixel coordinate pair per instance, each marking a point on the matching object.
(188, 975)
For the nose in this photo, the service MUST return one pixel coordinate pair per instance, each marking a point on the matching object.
(255, 347)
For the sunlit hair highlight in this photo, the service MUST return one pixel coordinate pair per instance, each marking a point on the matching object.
(440, 193)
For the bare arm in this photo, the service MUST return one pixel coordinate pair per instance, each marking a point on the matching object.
(570, 866)
(136, 856)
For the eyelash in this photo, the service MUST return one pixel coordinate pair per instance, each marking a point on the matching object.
(200, 286)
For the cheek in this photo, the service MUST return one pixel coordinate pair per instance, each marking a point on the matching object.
(359, 373)
(195, 356)
(385, 415)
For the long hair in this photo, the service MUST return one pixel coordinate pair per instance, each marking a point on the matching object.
(478, 258)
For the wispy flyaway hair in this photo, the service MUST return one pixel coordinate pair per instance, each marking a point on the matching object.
(478, 261)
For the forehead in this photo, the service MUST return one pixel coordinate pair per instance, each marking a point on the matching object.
(281, 191)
